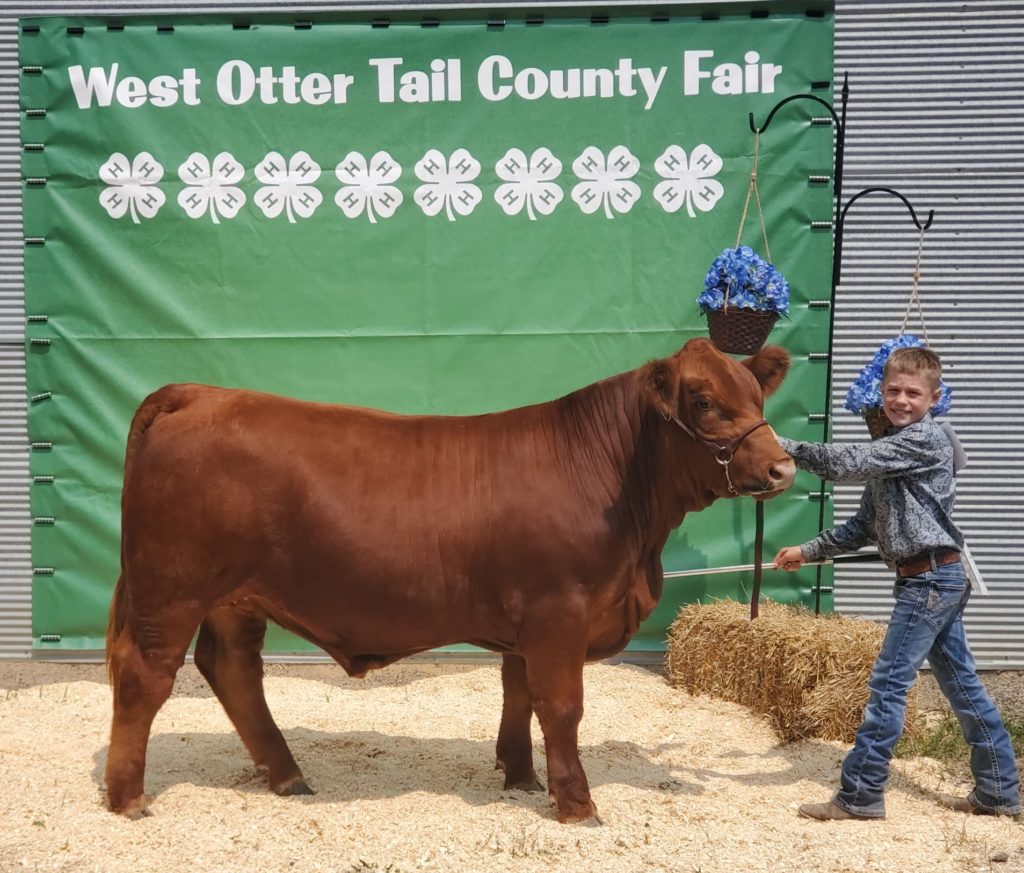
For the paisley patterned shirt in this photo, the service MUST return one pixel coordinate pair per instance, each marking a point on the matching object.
(908, 499)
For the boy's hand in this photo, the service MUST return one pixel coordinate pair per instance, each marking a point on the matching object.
(789, 558)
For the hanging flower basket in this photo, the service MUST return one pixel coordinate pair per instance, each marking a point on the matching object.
(877, 421)
(740, 331)
(743, 297)
(865, 395)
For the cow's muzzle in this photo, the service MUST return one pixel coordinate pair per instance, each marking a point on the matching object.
(779, 477)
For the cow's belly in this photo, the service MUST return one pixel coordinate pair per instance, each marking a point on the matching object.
(387, 609)
(375, 601)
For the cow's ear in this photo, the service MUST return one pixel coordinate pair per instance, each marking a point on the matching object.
(663, 387)
(769, 366)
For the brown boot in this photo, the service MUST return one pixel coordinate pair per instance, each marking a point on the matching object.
(965, 804)
(828, 811)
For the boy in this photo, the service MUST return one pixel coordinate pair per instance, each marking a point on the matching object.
(906, 510)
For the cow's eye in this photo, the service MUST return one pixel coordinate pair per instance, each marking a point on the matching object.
(704, 404)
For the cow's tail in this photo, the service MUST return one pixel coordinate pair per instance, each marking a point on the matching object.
(115, 623)
(159, 403)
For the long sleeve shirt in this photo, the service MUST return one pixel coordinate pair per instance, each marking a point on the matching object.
(908, 497)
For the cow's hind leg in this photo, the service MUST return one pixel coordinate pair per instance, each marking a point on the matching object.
(228, 656)
(555, 675)
(515, 748)
(141, 680)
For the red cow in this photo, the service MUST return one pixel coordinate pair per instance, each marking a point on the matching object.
(535, 532)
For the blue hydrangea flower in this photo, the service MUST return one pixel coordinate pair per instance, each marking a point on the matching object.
(749, 280)
(866, 391)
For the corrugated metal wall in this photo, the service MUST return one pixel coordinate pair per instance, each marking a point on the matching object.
(936, 111)
(15, 526)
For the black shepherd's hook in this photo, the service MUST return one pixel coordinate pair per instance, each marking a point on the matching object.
(838, 120)
(837, 259)
(837, 187)
(837, 264)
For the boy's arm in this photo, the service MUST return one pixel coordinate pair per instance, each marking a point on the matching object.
(847, 537)
(895, 455)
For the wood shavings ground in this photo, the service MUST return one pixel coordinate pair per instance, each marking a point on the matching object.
(402, 763)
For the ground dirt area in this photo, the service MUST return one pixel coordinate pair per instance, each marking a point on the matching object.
(402, 764)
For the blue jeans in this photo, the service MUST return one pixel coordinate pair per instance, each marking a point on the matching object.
(927, 621)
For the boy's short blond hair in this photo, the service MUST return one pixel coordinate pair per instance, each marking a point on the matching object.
(915, 361)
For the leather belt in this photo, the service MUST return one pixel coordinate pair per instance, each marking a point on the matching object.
(923, 563)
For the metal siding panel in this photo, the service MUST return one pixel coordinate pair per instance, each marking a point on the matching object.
(935, 112)
(15, 526)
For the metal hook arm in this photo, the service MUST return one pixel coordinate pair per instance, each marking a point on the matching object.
(895, 193)
(781, 103)
(837, 260)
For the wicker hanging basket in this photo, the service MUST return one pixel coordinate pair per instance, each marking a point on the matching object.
(740, 331)
(877, 421)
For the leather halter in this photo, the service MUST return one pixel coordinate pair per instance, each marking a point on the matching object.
(724, 452)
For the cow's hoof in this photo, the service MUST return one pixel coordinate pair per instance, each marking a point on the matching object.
(573, 813)
(135, 809)
(293, 788)
(530, 784)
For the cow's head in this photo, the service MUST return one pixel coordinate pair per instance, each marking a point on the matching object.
(714, 407)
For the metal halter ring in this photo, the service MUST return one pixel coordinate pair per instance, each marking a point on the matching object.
(723, 453)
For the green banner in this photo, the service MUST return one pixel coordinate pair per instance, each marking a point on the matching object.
(453, 219)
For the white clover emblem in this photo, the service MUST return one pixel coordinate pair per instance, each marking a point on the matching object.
(688, 182)
(211, 186)
(288, 186)
(131, 186)
(606, 182)
(367, 185)
(449, 183)
(528, 182)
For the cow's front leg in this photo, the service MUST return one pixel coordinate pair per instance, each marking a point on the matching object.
(515, 747)
(555, 677)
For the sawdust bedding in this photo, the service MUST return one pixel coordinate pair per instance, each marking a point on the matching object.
(402, 765)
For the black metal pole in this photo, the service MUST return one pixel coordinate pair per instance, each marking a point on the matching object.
(837, 259)
(837, 189)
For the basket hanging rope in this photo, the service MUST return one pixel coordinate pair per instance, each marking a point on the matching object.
(744, 295)
(865, 396)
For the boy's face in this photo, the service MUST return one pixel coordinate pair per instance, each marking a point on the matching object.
(906, 397)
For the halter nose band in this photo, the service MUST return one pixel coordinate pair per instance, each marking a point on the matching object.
(724, 452)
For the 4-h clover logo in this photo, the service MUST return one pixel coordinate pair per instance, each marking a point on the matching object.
(607, 182)
(367, 185)
(449, 183)
(528, 183)
(289, 186)
(690, 183)
(131, 186)
(210, 185)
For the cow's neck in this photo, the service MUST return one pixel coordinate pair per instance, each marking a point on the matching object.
(626, 453)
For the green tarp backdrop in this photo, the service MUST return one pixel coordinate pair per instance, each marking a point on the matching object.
(453, 219)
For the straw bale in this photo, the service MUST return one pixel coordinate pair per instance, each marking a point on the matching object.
(808, 674)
